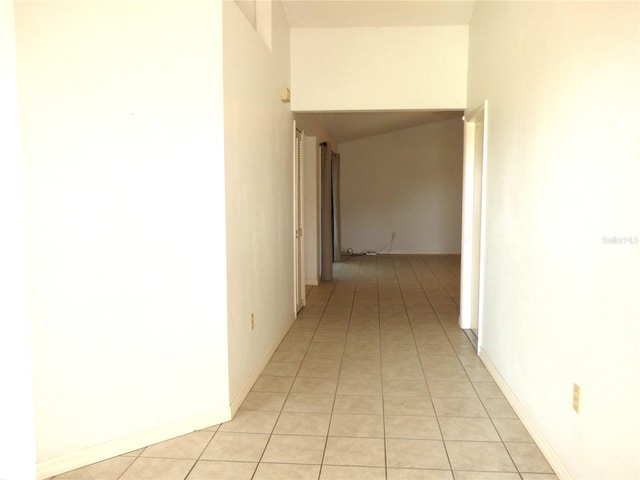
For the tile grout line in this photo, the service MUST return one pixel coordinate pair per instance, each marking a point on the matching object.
(384, 422)
(335, 393)
(425, 376)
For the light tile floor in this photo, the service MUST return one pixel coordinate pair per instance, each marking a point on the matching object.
(374, 381)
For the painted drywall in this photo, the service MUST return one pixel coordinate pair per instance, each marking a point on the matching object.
(408, 182)
(17, 442)
(121, 127)
(259, 173)
(562, 175)
(378, 68)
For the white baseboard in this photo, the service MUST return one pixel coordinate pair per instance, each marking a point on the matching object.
(311, 281)
(119, 446)
(536, 434)
(248, 384)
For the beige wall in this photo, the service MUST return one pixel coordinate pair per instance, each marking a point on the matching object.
(408, 182)
(17, 442)
(259, 172)
(561, 306)
(122, 151)
(335, 69)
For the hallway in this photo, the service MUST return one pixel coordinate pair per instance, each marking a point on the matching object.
(374, 380)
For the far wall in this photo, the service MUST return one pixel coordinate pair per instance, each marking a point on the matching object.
(373, 68)
(408, 182)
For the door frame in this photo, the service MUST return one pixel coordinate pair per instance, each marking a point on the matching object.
(299, 293)
(473, 205)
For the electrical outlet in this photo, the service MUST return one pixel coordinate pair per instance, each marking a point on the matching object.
(393, 235)
(576, 398)
(252, 325)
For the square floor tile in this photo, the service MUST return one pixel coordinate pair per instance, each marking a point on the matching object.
(158, 469)
(349, 425)
(499, 408)
(459, 407)
(288, 356)
(236, 447)
(488, 390)
(363, 358)
(448, 374)
(408, 406)
(304, 402)
(314, 385)
(326, 347)
(273, 384)
(471, 361)
(362, 348)
(326, 334)
(355, 451)
(358, 386)
(438, 349)
(539, 476)
(110, 469)
(479, 374)
(264, 401)
(334, 472)
(319, 369)
(418, 474)
(282, 471)
(250, 421)
(294, 449)
(437, 362)
(528, 458)
(512, 430)
(186, 446)
(401, 372)
(405, 388)
(486, 476)
(471, 429)
(365, 404)
(479, 456)
(208, 469)
(452, 389)
(301, 423)
(281, 369)
(412, 427)
(354, 370)
(407, 453)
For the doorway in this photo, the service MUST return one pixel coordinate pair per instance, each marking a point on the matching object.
(330, 248)
(472, 261)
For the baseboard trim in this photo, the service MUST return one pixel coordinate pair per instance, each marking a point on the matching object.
(545, 447)
(251, 380)
(97, 453)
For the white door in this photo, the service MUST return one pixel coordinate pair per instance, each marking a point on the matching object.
(298, 259)
(471, 281)
(476, 225)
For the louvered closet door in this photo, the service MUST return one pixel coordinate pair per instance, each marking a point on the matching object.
(298, 222)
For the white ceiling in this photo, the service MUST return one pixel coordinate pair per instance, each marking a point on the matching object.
(376, 13)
